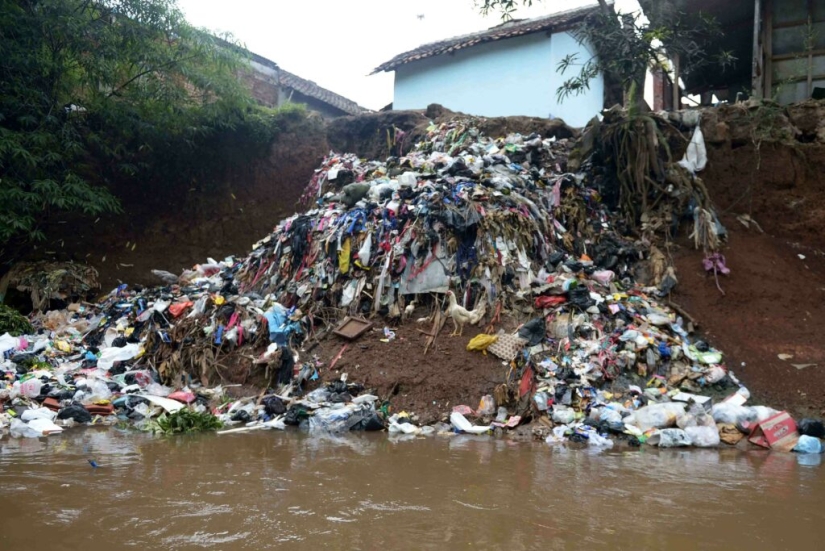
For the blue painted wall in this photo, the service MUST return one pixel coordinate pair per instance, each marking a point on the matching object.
(515, 76)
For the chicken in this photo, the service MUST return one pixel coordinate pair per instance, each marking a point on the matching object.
(408, 311)
(462, 316)
(166, 277)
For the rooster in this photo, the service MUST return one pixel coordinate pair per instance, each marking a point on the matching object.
(462, 316)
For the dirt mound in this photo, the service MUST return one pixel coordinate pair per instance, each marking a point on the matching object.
(428, 385)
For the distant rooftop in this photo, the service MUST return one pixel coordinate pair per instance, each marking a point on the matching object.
(518, 27)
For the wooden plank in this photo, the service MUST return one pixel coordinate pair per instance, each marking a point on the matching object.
(757, 72)
(677, 96)
(810, 88)
(768, 30)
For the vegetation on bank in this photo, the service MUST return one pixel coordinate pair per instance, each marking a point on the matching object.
(97, 94)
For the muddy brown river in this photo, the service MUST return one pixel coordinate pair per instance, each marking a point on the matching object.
(288, 491)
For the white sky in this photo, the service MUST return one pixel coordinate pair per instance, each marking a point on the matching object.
(337, 43)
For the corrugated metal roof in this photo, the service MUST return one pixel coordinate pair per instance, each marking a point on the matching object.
(555, 21)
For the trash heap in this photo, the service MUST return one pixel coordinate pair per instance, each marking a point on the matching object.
(473, 228)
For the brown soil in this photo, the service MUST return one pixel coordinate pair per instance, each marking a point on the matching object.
(774, 303)
(428, 385)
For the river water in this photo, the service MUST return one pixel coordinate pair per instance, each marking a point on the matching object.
(289, 491)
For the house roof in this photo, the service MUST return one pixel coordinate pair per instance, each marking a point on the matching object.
(309, 88)
(510, 29)
(301, 85)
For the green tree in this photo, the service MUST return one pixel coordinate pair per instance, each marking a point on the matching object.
(91, 88)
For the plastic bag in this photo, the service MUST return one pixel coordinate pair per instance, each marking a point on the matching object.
(812, 427)
(703, 437)
(563, 415)
(612, 417)
(808, 444)
(79, 414)
(487, 405)
(736, 415)
(670, 438)
(696, 156)
(656, 416)
(557, 436)
(685, 421)
(31, 388)
(109, 356)
(38, 413)
(462, 424)
(365, 251)
(596, 440)
(34, 428)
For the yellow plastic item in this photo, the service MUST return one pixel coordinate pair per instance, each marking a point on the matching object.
(343, 256)
(481, 342)
(63, 346)
(218, 300)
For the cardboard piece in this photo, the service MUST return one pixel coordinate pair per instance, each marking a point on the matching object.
(776, 433)
(352, 328)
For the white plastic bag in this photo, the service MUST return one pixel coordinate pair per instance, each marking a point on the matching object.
(461, 423)
(563, 415)
(703, 437)
(656, 416)
(365, 251)
(31, 388)
(696, 156)
(108, 356)
(38, 413)
(672, 438)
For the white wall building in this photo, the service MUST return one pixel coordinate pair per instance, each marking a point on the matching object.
(508, 70)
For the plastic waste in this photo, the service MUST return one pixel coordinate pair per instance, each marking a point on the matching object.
(34, 428)
(732, 414)
(670, 438)
(38, 413)
(462, 424)
(273, 405)
(685, 421)
(703, 437)
(656, 416)
(541, 401)
(487, 406)
(563, 415)
(78, 413)
(31, 388)
(808, 444)
(108, 356)
(811, 427)
(595, 440)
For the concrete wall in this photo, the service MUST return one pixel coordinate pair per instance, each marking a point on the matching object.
(516, 76)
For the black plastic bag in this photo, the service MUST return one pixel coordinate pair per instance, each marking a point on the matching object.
(273, 405)
(812, 427)
(76, 412)
(533, 331)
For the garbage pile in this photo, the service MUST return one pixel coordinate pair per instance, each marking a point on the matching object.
(472, 227)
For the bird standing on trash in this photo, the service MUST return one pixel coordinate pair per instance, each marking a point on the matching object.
(462, 316)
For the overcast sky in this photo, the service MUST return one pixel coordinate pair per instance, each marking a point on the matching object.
(337, 43)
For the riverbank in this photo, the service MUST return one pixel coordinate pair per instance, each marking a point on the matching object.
(556, 260)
